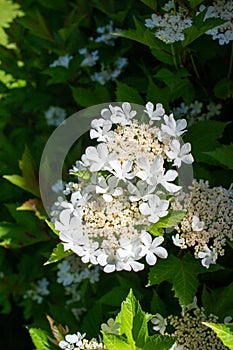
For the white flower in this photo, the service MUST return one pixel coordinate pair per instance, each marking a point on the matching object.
(111, 327)
(90, 58)
(154, 114)
(120, 171)
(172, 127)
(58, 186)
(196, 108)
(71, 340)
(130, 251)
(153, 173)
(107, 36)
(110, 260)
(151, 248)
(62, 61)
(179, 242)
(141, 190)
(154, 208)
(159, 323)
(63, 274)
(96, 157)
(55, 115)
(123, 115)
(180, 154)
(108, 187)
(88, 251)
(197, 225)
(102, 130)
(208, 256)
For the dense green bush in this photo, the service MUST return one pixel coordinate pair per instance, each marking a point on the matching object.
(58, 57)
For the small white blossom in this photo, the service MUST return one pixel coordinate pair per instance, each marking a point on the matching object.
(109, 188)
(178, 241)
(62, 61)
(208, 256)
(197, 225)
(90, 57)
(107, 36)
(72, 340)
(154, 114)
(151, 248)
(140, 190)
(101, 130)
(180, 154)
(55, 115)
(154, 208)
(120, 171)
(111, 327)
(159, 323)
(96, 157)
(172, 127)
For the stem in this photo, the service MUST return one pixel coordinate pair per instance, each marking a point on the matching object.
(195, 67)
(174, 56)
(231, 63)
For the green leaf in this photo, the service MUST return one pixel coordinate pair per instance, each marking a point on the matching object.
(127, 93)
(197, 136)
(133, 321)
(58, 254)
(152, 4)
(224, 155)
(224, 89)
(195, 3)
(9, 11)
(87, 97)
(26, 229)
(159, 342)
(171, 220)
(224, 332)
(116, 342)
(156, 94)
(218, 301)
(39, 338)
(37, 25)
(28, 181)
(182, 274)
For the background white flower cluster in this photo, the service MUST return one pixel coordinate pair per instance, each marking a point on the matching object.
(125, 185)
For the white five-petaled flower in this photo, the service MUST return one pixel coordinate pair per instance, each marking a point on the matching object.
(151, 248)
(97, 157)
(172, 127)
(154, 174)
(108, 188)
(102, 130)
(141, 190)
(208, 256)
(71, 340)
(154, 114)
(180, 154)
(120, 171)
(154, 208)
(178, 241)
(110, 260)
(88, 252)
(130, 252)
(197, 225)
(159, 323)
(123, 115)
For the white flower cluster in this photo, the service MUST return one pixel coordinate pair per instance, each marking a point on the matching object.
(55, 115)
(78, 342)
(222, 9)
(208, 221)
(38, 291)
(123, 188)
(107, 74)
(194, 112)
(90, 57)
(106, 35)
(170, 26)
(62, 61)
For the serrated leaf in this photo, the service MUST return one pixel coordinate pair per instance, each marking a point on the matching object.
(159, 342)
(58, 254)
(224, 155)
(182, 274)
(133, 321)
(39, 338)
(224, 332)
(125, 92)
(52, 227)
(28, 181)
(197, 136)
(115, 342)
